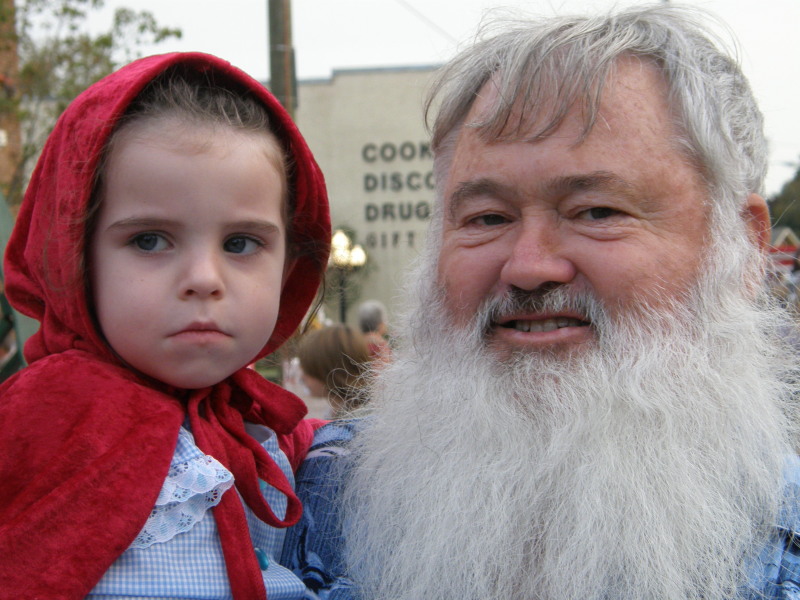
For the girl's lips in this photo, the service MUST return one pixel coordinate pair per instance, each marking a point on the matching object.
(199, 337)
(200, 330)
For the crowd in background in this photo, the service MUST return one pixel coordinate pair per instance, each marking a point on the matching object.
(332, 362)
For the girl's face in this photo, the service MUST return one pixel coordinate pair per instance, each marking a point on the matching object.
(189, 251)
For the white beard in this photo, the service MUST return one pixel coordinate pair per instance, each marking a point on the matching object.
(649, 466)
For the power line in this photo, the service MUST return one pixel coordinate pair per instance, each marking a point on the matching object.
(428, 21)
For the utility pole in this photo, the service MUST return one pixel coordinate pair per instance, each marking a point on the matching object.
(282, 81)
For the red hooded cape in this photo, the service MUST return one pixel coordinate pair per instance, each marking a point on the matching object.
(85, 444)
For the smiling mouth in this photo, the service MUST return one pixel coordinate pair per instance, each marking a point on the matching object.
(543, 325)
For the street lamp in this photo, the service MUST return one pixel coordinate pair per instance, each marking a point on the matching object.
(346, 258)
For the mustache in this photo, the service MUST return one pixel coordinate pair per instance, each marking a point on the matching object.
(553, 299)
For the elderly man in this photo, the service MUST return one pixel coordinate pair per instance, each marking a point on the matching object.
(592, 396)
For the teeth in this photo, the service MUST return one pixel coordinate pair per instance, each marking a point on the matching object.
(549, 325)
(546, 324)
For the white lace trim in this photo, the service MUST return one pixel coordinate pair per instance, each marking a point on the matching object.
(191, 488)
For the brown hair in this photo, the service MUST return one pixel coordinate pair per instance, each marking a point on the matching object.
(193, 99)
(339, 357)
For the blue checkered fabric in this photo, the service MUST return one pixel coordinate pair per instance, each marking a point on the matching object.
(191, 564)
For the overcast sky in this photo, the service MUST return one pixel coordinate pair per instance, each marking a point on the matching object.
(340, 34)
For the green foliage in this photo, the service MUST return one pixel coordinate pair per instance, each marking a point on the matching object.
(59, 57)
(784, 207)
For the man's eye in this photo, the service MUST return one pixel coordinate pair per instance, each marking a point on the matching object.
(241, 245)
(491, 219)
(149, 242)
(598, 212)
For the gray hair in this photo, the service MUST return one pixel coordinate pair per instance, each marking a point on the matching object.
(370, 315)
(546, 67)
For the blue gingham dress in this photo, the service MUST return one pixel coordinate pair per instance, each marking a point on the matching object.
(178, 553)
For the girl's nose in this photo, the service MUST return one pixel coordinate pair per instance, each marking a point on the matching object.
(203, 276)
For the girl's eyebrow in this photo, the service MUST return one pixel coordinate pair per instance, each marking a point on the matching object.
(143, 222)
(261, 226)
(264, 227)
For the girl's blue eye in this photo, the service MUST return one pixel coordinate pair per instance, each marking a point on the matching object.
(149, 242)
(241, 245)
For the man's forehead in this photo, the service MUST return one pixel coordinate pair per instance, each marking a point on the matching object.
(534, 109)
(633, 139)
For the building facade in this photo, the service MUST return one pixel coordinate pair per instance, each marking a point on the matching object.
(366, 130)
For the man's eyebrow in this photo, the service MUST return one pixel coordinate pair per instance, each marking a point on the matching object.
(565, 185)
(471, 189)
(596, 180)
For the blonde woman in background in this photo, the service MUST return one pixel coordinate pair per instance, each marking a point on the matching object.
(334, 361)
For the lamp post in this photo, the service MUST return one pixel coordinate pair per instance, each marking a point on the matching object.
(346, 258)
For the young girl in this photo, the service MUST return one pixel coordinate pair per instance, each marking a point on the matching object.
(175, 230)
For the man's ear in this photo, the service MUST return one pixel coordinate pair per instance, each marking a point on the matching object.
(756, 215)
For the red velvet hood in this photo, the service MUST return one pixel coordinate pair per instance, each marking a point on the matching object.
(82, 435)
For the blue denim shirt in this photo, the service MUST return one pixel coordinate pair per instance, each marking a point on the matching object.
(776, 572)
(312, 548)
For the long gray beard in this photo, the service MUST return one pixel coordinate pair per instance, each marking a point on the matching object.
(647, 466)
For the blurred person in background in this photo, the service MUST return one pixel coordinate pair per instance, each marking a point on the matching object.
(372, 321)
(334, 361)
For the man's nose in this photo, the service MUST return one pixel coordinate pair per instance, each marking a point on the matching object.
(537, 256)
(202, 275)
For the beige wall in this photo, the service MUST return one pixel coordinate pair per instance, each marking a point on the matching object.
(366, 130)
